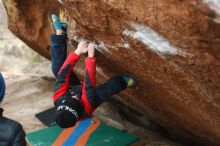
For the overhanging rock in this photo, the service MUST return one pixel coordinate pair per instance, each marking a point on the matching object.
(171, 47)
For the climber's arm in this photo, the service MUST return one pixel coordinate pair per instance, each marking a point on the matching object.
(89, 83)
(63, 78)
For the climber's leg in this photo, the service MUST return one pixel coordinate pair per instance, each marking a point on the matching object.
(111, 87)
(58, 51)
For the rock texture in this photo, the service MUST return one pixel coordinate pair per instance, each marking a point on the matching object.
(29, 20)
(171, 47)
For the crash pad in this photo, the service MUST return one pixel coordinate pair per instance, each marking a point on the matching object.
(46, 117)
(88, 132)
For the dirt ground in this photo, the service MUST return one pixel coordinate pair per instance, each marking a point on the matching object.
(26, 97)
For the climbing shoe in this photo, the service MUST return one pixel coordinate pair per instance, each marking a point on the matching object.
(56, 22)
(129, 81)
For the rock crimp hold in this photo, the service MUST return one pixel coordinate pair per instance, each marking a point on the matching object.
(171, 48)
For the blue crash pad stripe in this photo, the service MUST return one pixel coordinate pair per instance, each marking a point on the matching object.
(80, 129)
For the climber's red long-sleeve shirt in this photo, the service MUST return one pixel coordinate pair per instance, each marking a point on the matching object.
(63, 81)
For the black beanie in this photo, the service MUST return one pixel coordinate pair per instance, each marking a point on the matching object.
(68, 112)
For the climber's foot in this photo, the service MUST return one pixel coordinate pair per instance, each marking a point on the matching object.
(129, 81)
(57, 24)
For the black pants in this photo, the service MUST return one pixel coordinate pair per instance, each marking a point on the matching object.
(59, 54)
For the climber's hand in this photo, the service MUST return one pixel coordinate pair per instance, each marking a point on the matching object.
(91, 50)
(82, 48)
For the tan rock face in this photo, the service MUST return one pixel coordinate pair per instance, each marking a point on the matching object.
(171, 48)
(29, 20)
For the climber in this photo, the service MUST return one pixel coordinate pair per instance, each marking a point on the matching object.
(74, 100)
(11, 132)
